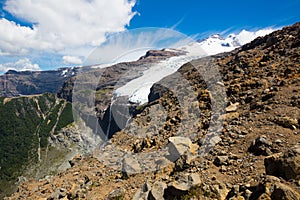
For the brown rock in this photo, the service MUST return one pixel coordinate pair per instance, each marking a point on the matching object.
(182, 185)
(229, 116)
(221, 160)
(116, 194)
(286, 165)
(232, 107)
(261, 146)
(275, 190)
(287, 122)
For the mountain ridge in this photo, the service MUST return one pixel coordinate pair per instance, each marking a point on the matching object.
(258, 144)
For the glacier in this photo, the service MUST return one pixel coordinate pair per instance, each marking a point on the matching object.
(138, 89)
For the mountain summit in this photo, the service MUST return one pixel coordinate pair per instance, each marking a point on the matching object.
(218, 44)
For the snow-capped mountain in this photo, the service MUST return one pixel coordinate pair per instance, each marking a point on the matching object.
(138, 89)
(217, 44)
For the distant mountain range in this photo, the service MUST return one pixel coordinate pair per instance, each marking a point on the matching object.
(14, 83)
(17, 83)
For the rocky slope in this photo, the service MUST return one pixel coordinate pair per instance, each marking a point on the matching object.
(222, 127)
(43, 122)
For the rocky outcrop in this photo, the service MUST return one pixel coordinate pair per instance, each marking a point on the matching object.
(160, 54)
(182, 184)
(272, 188)
(261, 146)
(285, 165)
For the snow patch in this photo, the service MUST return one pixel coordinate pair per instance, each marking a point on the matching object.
(64, 73)
(139, 88)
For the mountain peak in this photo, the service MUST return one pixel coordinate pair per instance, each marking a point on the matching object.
(216, 36)
(217, 43)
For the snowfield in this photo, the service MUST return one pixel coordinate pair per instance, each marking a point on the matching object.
(139, 88)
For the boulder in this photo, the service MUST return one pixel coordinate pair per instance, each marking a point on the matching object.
(285, 165)
(182, 184)
(118, 193)
(179, 146)
(143, 192)
(157, 191)
(273, 189)
(131, 166)
(221, 160)
(261, 146)
(232, 107)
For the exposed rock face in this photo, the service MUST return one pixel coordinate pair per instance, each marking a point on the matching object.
(286, 165)
(116, 116)
(65, 92)
(112, 112)
(261, 78)
(271, 188)
(159, 54)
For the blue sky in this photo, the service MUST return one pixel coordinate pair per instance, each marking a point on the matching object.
(197, 17)
(46, 35)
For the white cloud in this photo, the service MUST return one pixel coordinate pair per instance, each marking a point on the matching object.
(20, 65)
(132, 44)
(72, 60)
(15, 39)
(59, 26)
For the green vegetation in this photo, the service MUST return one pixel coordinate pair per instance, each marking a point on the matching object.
(199, 191)
(100, 93)
(47, 125)
(66, 117)
(25, 126)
